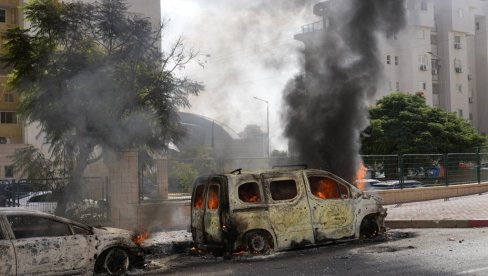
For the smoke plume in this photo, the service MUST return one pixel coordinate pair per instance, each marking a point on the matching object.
(327, 108)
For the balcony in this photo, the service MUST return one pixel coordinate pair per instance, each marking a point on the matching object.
(312, 27)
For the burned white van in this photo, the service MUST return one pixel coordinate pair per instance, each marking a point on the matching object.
(261, 211)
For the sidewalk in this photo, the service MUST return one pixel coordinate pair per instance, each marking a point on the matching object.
(457, 212)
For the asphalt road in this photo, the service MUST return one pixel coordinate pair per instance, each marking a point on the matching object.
(406, 252)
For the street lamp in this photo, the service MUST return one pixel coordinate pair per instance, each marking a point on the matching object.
(267, 120)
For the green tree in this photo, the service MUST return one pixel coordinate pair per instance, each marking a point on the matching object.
(94, 78)
(402, 123)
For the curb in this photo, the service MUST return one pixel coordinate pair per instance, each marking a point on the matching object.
(398, 224)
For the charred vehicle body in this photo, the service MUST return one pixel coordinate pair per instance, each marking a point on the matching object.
(37, 243)
(279, 209)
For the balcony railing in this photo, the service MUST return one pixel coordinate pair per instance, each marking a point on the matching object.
(312, 27)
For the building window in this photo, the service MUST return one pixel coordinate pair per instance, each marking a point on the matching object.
(397, 86)
(8, 97)
(423, 6)
(477, 25)
(458, 67)
(3, 16)
(460, 113)
(461, 13)
(457, 42)
(421, 34)
(459, 88)
(470, 116)
(433, 39)
(388, 59)
(9, 171)
(396, 60)
(423, 85)
(8, 117)
(423, 62)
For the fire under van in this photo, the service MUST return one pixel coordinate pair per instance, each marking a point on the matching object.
(273, 210)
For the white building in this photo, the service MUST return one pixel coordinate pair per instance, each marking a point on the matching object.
(442, 53)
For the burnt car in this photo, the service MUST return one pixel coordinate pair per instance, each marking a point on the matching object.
(37, 243)
(273, 210)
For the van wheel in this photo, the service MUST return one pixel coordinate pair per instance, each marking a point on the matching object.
(369, 229)
(258, 243)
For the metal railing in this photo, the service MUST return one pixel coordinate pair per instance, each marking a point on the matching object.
(312, 27)
(429, 169)
(91, 204)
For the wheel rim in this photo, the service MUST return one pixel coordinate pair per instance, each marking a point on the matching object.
(257, 243)
(116, 262)
(369, 229)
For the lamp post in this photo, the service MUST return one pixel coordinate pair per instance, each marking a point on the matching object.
(267, 121)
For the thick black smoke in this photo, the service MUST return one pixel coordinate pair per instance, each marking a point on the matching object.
(327, 107)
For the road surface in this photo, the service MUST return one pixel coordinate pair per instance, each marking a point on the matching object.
(405, 252)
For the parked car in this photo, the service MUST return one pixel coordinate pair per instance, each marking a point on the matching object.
(395, 184)
(37, 243)
(269, 210)
(43, 201)
(368, 184)
(11, 190)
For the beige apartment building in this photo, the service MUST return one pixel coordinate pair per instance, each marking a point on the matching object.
(11, 129)
(442, 53)
(14, 133)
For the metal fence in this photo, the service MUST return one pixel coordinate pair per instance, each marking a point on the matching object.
(91, 203)
(430, 169)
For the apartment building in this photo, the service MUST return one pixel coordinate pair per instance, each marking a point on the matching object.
(14, 133)
(11, 129)
(442, 53)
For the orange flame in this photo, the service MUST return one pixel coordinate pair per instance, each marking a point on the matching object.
(360, 175)
(140, 238)
(213, 199)
(327, 188)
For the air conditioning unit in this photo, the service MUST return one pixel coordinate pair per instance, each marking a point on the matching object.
(459, 70)
(457, 46)
(423, 67)
(435, 72)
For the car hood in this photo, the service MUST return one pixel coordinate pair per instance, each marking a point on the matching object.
(112, 231)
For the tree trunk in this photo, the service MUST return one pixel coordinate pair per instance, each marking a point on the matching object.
(71, 193)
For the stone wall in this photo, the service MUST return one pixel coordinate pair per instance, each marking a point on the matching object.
(126, 210)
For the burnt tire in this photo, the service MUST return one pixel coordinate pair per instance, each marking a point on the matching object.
(114, 261)
(369, 229)
(258, 243)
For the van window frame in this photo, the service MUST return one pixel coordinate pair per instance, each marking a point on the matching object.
(338, 185)
(260, 191)
(203, 194)
(271, 180)
(207, 202)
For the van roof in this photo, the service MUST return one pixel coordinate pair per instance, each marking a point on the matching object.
(242, 173)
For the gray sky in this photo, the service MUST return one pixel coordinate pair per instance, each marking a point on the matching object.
(251, 53)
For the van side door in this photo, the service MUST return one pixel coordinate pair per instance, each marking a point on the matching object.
(289, 212)
(331, 207)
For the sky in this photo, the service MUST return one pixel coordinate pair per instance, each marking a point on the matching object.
(248, 51)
